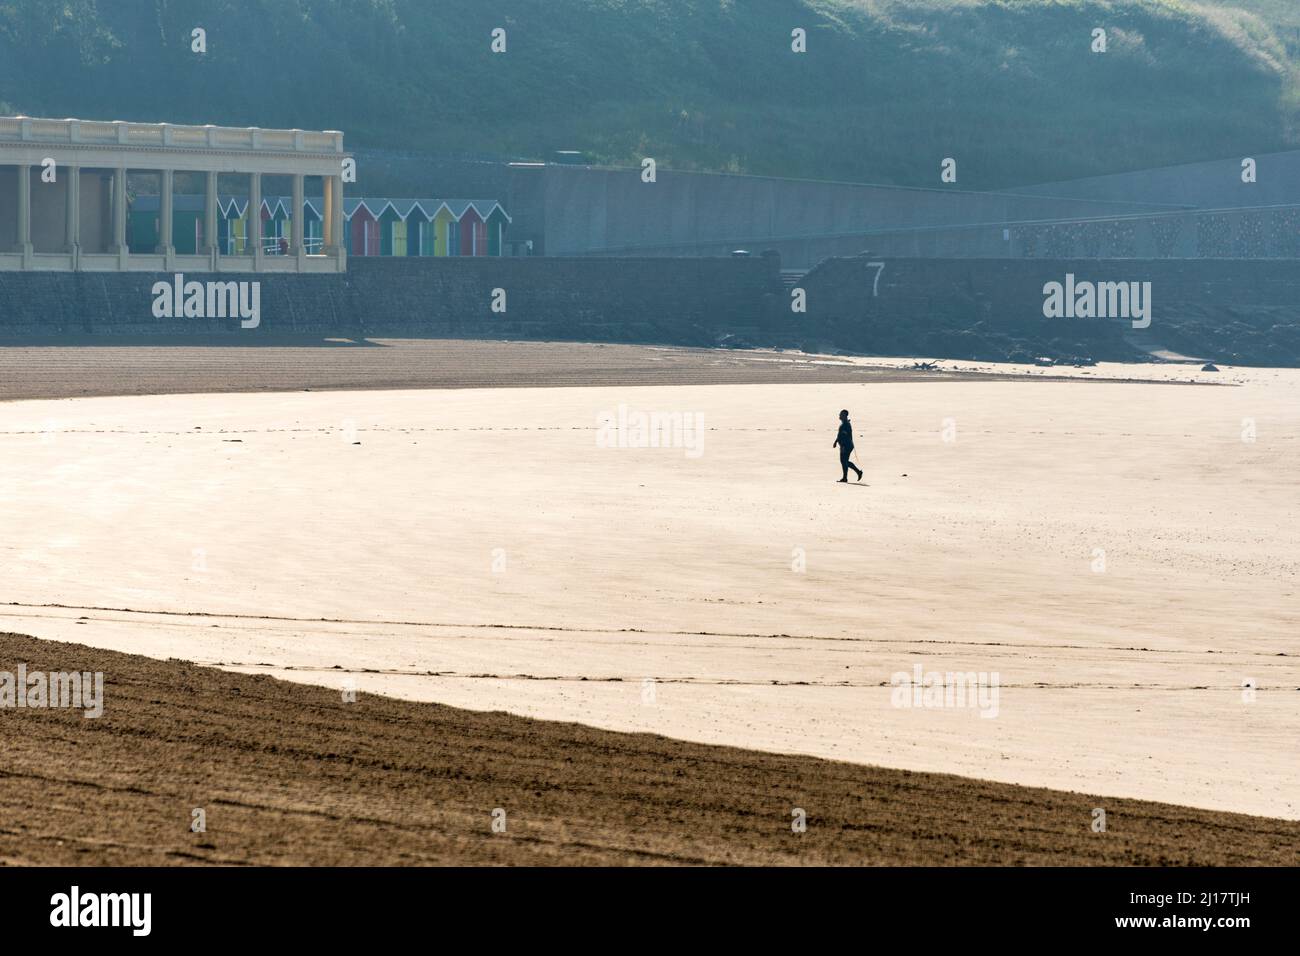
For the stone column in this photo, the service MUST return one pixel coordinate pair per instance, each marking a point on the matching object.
(298, 221)
(254, 226)
(25, 214)
(327, 238)
(119, 217)
(334, 188)
(210, 220)
(72, 223)
(165, 218)
(72, 227)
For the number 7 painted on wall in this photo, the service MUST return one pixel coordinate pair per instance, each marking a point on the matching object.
(875, 285)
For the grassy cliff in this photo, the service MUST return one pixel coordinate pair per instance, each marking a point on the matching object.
(885, 91)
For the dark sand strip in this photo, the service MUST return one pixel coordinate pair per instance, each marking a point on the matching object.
(291, 774)
(177, 367)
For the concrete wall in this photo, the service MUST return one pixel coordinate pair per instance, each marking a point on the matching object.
(96, 211)
(49, 221)
(602, 211)
(581, 210)
(1012, 288)
(49, 213)
(1246, 233)
(49, 216)
(1245, 311)
(686, 301)
(1211, 185)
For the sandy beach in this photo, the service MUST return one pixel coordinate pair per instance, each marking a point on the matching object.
(1121, 555)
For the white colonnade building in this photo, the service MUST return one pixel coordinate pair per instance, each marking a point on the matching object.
(75, 218)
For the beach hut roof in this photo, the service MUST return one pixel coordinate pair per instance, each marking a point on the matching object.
(273, 203)
(314, 203)
(488, 207)
(458, 207)
(483, 208)
(405, 208)
(380, 205)
(229, 206)
(351, 206)
(377, 206)
(374, 207)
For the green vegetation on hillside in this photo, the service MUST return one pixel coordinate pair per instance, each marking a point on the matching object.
(886, 90)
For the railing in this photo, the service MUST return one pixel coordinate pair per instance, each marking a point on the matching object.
(271, 246)
(29, 129)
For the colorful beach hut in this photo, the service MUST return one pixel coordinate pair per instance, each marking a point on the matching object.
(392, 227)
(473, 231)
(374, 226)
(417, 216)
(313, 233)
(479, 228)
(232, 226)
(362, 233)
(276, 225)
(497, 219)
(446, 233)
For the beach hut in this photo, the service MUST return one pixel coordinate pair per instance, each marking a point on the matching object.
(473, 231)
(362, 233)
(424, 241)
(417, 214)
(481, 226)
(461, 231)
(411, 227)
(497, 219)
(313, 234)
(446, 232)
(276, 226)
(230, 225)
(232, 228)
(392, 227)
(470, 227)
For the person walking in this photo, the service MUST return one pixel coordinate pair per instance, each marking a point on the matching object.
(845, 442)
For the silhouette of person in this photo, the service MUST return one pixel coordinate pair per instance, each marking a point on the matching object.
(845, 442)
